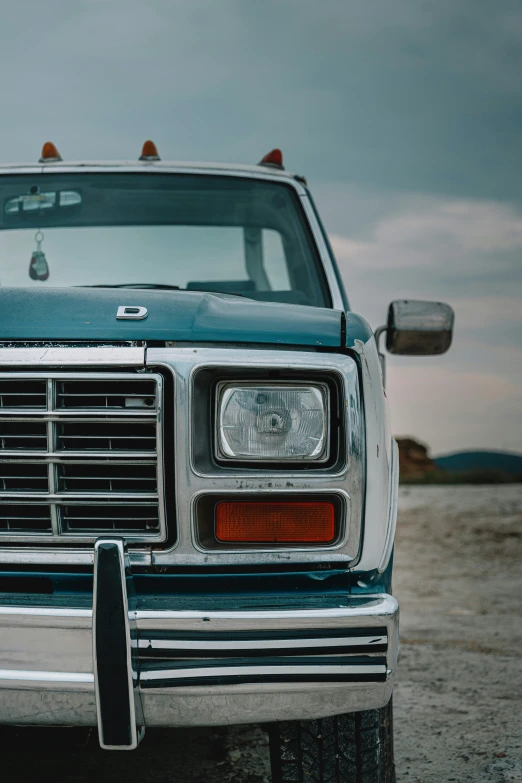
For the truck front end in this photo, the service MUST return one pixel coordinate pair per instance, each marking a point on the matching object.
(198, 483)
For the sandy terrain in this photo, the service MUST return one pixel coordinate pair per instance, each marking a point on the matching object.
(458, 703)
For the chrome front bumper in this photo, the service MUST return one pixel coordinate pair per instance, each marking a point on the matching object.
(194, 668)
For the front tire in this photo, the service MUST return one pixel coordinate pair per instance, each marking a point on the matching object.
(356, 747)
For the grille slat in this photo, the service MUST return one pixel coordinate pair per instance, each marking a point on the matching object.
(122, 394)
(88, 468)
(106, 436)
(17, 393)
(23, 436)
(102, 518)
(107, 478)
(26, 518)
(24, 477)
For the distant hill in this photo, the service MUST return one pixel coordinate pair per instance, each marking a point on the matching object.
(467, 461)
(414, 460)
(463, 467)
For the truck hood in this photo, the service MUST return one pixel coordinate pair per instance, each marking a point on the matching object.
(89, 314)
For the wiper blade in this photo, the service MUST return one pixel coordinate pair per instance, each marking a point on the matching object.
(161, 286)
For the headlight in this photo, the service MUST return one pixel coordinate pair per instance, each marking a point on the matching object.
(272, 422)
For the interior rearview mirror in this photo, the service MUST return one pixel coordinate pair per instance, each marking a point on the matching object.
(417, 328)
(39, 208)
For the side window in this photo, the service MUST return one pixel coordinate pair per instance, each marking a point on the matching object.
(274, 260)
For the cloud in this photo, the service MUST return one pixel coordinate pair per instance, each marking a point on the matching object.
(491, 312)
(436, 231)
(452, 409)
(464, 251)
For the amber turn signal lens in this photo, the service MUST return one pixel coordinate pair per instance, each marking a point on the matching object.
(276, 522)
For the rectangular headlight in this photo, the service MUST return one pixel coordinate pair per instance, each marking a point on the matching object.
(276, 422)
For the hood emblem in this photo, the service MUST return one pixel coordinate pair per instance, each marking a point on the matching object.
(127, 311)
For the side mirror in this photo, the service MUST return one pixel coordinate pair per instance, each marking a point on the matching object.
(417, 328)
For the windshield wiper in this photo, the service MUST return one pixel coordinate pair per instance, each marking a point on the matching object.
(162, 286)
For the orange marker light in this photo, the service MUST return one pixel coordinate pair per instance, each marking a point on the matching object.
(273, 158)
(49, 153)
(149, 151)
(279, 522)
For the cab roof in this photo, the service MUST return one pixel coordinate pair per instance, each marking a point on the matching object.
(271, 165)
(145, 164)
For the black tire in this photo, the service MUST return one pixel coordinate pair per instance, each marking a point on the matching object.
(353, 748)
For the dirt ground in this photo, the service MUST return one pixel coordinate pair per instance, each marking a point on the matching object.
(458, 702)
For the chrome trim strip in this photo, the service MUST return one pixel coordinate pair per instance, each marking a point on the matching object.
(143, 456)
(79, 498)
(87, 416)
(114, 610)
(361, 613)
(260, 644)
(392, 509)
(238, 671)
(51, 613)
(97, 356)
(59, 555)
(50, 677)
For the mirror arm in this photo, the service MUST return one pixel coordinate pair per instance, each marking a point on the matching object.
(382, 359)
(377, 334)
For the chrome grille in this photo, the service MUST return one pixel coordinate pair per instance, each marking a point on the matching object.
(81, 456)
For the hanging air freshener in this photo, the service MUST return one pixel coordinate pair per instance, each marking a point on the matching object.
(38, 268)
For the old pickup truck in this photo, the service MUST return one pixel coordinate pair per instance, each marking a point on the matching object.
(198, 482)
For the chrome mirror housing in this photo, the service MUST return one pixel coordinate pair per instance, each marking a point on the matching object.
(417, 328)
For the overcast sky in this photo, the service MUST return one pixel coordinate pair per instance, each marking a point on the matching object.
(406, 117)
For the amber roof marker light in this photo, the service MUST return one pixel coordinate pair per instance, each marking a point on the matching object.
(273, 158)
(49, 153)
(149, 151)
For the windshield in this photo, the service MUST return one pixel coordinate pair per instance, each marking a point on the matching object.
(193, 232)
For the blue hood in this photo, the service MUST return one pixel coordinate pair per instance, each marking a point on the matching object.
(78, 314)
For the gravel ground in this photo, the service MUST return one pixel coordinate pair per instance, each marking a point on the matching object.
(458, 703)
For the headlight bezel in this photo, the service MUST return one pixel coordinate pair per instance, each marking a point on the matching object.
(222, 387)
(202, 412)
